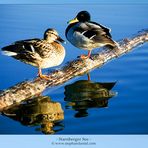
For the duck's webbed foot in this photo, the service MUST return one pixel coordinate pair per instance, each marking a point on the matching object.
(46, 77)
(84, 57)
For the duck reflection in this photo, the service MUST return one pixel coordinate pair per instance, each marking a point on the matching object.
(85, 94)
(39, 111)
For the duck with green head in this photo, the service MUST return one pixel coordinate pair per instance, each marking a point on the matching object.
(85, 34)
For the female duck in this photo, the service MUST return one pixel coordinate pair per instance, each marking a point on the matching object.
(42, 53)
(88, 35)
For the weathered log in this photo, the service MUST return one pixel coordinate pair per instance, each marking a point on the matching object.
(28, 89)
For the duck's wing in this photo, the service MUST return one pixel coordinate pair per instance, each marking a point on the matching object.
(104, 28)
(36, 46)
(20, 47)
(92, 30)
(96, 33)
(27, 45)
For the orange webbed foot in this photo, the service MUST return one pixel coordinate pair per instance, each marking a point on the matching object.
(84, 57)
(46, 77)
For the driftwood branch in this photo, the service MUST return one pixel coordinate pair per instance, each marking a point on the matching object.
(28, 89)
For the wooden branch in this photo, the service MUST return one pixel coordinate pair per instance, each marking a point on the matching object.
(28, 89)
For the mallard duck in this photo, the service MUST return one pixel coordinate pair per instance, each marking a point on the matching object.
(41, 53)
(88, 35)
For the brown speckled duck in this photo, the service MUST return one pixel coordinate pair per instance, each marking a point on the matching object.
(88, 35)
(41, 53)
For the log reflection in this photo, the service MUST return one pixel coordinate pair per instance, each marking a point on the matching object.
(40, 111)
(85, 94)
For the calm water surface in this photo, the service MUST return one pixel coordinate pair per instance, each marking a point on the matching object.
(118, 90)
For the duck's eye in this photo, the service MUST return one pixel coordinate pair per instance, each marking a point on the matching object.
(52, 33)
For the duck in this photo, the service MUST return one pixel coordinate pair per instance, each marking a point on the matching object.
(88, 35)
(41, 53)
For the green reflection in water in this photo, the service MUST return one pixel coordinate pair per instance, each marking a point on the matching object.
(40, 111)
(85, 94)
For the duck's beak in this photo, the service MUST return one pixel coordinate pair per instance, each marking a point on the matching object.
(61, 40)
(73, 21)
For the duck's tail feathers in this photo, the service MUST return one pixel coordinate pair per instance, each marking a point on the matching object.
(10, 50)
(9, 53)
(116, 44)
(113, 44)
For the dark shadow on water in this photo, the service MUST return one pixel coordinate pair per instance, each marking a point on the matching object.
(85, 94)
(40, 112)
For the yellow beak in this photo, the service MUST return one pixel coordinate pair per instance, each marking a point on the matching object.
(73, 21)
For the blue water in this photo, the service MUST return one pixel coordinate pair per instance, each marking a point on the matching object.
(126, 112)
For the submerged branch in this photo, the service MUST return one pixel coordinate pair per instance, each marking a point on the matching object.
(28, 89)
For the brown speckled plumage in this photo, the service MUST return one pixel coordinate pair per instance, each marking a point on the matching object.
(42, 53)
